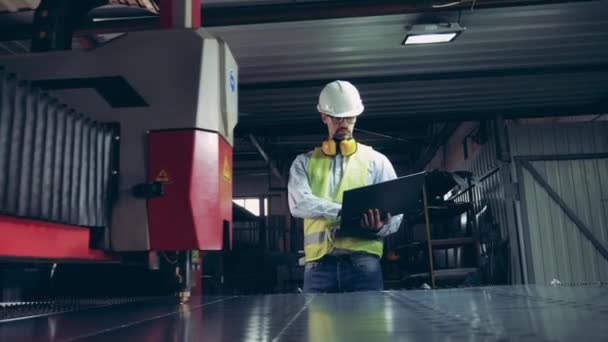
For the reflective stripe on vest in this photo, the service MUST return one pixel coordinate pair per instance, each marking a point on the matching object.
(313, 238)
(318, 239)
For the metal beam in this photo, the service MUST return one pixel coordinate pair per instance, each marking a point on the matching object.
(293, 11)
(387, 136)
(556, 157)
(599, 246)
(402, 122)
(267, 159)
(436, 76)
(503, 150)
(261, 151)
(315, 126)
(214, 16)
(439, 139)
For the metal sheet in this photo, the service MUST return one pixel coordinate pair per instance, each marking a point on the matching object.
(522, 313)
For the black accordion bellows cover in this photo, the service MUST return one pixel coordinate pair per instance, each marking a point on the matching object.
(55, 164)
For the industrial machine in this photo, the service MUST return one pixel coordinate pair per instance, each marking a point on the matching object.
(120, 151)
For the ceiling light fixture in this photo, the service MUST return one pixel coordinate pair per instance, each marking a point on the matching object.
(432, 33)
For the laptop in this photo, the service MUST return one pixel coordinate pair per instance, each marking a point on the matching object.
(398, 196)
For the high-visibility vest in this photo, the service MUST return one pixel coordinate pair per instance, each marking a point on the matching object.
(318, 239)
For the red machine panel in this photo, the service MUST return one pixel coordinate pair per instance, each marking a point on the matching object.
(32, 239)
(196, 169)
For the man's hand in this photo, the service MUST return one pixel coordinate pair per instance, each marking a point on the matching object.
(371, 220)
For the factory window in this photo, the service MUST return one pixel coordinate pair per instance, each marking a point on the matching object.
(252, 204)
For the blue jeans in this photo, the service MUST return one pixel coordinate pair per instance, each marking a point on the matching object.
(343, 273)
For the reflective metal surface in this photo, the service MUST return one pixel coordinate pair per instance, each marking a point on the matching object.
(510, 313)
(26, 310)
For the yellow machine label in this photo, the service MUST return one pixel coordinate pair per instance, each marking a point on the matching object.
(226, 171)
(163, 176)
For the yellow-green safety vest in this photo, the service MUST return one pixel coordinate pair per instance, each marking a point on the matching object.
(318, 239)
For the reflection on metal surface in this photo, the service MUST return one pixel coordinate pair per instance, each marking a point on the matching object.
(518, 313)
(26, 310)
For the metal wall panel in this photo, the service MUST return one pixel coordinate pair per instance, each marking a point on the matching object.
(554, 247)
(490, 192)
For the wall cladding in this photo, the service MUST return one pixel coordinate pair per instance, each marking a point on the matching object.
(490, 191)
(554, 246)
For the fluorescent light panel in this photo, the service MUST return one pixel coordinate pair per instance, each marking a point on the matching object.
(430, 38)
(432, 33)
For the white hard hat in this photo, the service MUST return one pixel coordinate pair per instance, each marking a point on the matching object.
(340, 99)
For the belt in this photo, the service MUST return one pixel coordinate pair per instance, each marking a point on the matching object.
(335, 257)
(342, 257)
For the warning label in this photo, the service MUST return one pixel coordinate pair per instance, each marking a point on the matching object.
(226, 169)
(163, 176)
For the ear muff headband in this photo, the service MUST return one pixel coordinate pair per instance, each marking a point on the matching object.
(347, 147)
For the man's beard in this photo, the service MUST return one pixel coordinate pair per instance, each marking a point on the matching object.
(343, 134)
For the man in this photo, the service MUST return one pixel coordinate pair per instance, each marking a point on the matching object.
(316, 183)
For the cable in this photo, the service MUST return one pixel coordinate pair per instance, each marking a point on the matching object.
(449, 4)
(53, 269)
(167, 259)
(382, 135)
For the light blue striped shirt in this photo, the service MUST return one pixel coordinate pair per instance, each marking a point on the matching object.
(304, 204)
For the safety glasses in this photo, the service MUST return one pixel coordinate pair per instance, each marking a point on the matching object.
(348, 119)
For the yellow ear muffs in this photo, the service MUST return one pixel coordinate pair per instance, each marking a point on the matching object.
(347, 147)
(329, 147)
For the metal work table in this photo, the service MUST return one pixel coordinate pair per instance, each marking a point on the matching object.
(502, 313)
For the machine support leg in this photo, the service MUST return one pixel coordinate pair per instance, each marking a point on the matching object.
(428, 235)
(197, 273)
(186, 271)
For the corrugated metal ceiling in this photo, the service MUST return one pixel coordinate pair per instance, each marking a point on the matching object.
(522, 60)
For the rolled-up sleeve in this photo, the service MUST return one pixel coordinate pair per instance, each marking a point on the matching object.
(302, 202)
(383, 172)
